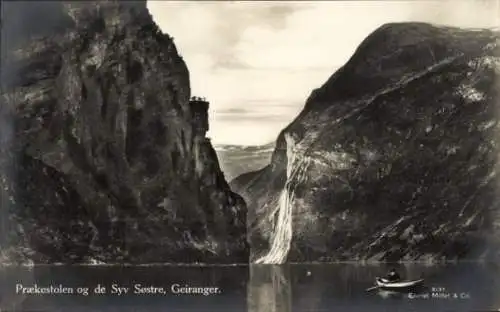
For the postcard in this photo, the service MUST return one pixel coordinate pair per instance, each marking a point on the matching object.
(265, 156)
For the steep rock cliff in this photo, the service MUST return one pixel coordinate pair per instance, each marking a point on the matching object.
(393, 158)
(102, 157)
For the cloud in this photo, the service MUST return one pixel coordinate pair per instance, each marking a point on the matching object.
(245, 132)
(243, 53)
(233, 110)
(228, 62)
(220, 24)
(257, 111)
(459, 13)
(252, 118)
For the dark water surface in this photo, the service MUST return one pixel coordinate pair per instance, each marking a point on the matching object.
(266, 288)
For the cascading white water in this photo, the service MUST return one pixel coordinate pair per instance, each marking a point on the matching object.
(297, 166)
(282, 236)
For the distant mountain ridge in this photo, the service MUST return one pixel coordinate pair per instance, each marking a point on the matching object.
(249, 148)
(238, 159)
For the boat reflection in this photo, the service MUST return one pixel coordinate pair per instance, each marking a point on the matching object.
(344, 287)
(256, 288)
(390, 294)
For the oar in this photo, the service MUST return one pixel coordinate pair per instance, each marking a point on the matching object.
(372, 288)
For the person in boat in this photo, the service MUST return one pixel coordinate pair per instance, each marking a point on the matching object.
(393, 276)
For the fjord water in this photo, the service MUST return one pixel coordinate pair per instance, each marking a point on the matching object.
(342, 287)
(266, 288)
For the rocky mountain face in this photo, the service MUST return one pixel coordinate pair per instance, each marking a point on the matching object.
(103, 157)
(393, 158)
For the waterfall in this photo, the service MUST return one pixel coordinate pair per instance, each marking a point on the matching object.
(282, 236)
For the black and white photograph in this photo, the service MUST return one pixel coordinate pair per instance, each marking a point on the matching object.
(263, 156)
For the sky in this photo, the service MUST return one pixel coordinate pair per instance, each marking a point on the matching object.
(257, 62)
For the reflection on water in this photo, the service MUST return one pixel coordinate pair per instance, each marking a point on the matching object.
(231, 280)
(256, 288)
(269, 288)
(342, 287)
(9, 301)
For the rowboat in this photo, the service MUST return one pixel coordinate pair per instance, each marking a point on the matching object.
(401, 285)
